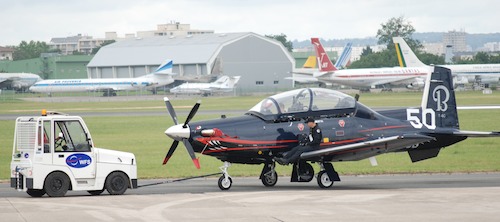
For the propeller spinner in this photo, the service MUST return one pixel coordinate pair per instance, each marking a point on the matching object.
(180, 132)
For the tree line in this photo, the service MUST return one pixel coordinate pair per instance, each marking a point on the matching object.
(32, 49)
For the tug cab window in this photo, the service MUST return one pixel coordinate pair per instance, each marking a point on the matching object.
(44, 136)
(70, 137)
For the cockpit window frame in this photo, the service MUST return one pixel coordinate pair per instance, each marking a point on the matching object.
(283, 102)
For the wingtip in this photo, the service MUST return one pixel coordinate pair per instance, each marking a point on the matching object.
(165, 99)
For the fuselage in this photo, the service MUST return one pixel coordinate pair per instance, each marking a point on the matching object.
(191, 88)
(375, 76)
(236, 139)
(82, 85)
(485, 73)
(18, 81)
(275, 125)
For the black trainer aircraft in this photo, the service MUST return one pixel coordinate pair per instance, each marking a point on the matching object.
(351, 131)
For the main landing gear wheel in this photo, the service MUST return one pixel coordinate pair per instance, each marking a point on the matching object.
(270, 178)
(324, 180)
(225, 182)
(306, 172)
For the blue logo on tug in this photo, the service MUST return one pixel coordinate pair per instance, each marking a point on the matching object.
(78, 160)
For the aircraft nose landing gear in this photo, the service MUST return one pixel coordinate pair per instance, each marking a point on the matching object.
(225, 180)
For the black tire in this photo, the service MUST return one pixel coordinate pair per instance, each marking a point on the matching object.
(225, 184)
(324, 180)
(95, 192)
(35, 193)
(116, 183)
(56, 184)
(306, 172)
(269, 180)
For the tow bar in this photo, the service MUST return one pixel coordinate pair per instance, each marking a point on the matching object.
(177, 180)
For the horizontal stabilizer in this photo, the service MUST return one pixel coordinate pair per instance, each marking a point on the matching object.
(319, 74)
(302, 78)
(476, 133)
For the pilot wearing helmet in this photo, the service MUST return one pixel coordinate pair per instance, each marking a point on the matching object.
(266, 107)
(311, 143)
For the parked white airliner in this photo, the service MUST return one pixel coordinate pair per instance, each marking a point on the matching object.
(368, 77)
(19, 82)
(162, 76)
(221, 85)
(463, 73)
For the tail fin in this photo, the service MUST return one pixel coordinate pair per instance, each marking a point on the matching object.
(406, 56)
(165, 68)
(221, 80)
(226, 82)
(310, 62)
(438, 101)
(233, 81)
(345, 56)
(324, 62)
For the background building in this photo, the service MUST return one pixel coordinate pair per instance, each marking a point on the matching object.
(262, 63)
(51, 66)
(84, 44)
(173, 29)
(6, 53)
(456, 39)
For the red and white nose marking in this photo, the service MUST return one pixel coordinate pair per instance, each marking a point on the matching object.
(178, 132)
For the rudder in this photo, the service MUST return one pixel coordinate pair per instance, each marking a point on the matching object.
(324, 62)
(439, 96)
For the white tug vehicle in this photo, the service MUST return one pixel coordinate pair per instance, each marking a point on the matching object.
(54, 153)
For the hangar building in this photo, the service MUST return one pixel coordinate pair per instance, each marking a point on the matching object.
(262, 63)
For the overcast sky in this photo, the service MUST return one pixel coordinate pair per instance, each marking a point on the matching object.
(40, 20)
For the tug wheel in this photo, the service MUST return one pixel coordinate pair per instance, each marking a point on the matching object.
(56, 184)
(116, 183)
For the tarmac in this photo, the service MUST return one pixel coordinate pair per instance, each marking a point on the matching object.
(432, 197)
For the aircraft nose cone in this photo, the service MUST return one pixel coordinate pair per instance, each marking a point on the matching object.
(177, 132)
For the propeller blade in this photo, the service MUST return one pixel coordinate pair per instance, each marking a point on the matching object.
(171, 110)
(170, 151)
(191, 153)
(192, 113)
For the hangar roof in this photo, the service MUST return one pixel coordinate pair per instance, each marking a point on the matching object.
(154, 50)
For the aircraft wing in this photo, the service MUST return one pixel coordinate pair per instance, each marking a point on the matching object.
(7, 82)
(402, 81)
(302, 78)
(9, 79)
(388, 143)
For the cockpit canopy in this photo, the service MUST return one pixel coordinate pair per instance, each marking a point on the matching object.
(303, 101)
